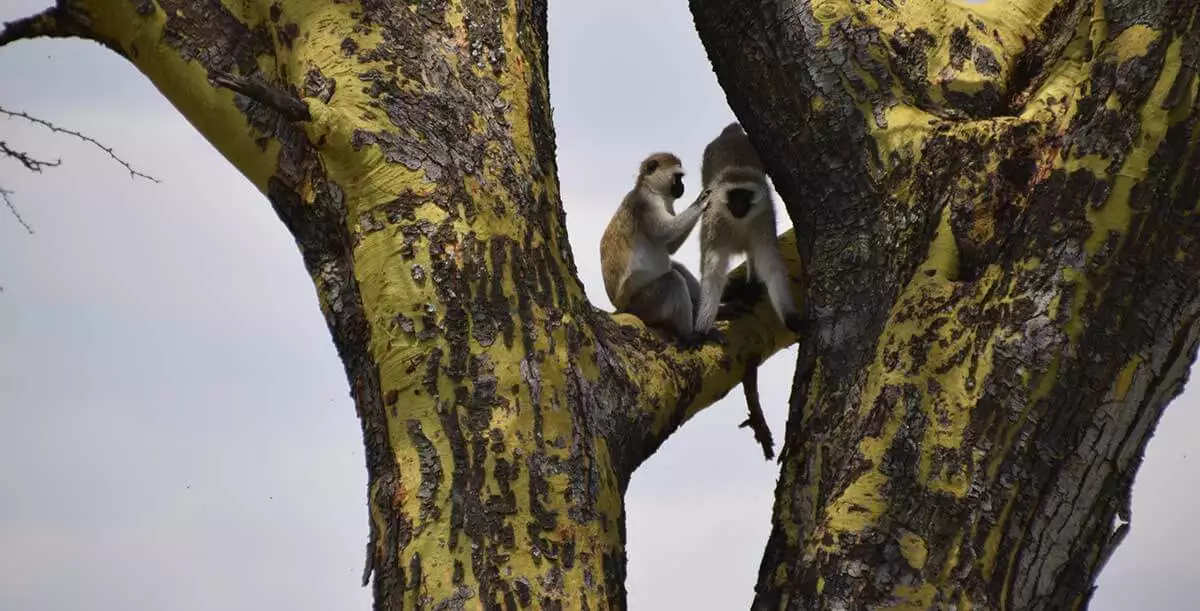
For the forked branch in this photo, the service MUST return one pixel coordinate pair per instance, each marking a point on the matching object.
(755, 419)
(70, 132)
(31, 163)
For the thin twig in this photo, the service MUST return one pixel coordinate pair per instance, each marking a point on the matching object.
(291, 107)
(54, 128)
(31, 163)
(756, 420)
(4, 193)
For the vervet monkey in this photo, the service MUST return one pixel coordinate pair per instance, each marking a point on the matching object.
(635, 252)
(740, 220)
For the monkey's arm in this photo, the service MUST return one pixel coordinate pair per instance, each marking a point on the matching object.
(673, 245)
(673, 230)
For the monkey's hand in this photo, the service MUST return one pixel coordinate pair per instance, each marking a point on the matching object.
(697, 339)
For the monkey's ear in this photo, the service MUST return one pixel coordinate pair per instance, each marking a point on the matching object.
(650, 166)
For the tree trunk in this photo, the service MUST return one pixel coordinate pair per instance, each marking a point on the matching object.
(999, 202)
(409, 149)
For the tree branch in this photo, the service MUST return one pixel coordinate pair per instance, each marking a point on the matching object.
(755, 419)
(4, 194)
(70, 132)
(292, 108)
(42, 24)
(675, 384)
(30, 162)
(61, 21)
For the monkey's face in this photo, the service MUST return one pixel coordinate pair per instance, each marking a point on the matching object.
(668, 181)
(663, 174)
(739, 201)
(677, 185)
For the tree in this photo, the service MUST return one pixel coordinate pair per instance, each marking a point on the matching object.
(965, 388)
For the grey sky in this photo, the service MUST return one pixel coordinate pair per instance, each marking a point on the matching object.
(175, 427)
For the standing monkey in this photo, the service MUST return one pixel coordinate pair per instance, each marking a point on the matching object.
(740, 220)
(635, 252)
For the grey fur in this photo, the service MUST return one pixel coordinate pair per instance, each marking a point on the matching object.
(730, 164)
(639, 274)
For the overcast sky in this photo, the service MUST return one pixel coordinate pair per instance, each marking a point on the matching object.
(175, 427)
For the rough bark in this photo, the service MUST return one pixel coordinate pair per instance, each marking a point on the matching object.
(1000, 205)
(409, 149)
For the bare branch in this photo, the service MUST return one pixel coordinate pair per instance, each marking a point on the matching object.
(31, 163)
(66, 20)
(4, 193)
(755, 418)
(54, 128)
(45, 23)
(292, 108)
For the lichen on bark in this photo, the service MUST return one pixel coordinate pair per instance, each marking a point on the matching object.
(998, 203)
(970, 423)
(410, 151)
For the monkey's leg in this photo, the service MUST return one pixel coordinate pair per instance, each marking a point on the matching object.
(693, 285)
(713, 275)
(769, 263)
(664, 302)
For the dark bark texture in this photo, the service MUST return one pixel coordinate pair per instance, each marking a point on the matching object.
(997, 203)
(1000, 221)
(409, 149)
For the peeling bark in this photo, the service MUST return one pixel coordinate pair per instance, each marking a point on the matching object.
(1000, 209)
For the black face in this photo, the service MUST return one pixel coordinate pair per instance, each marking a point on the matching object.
(739, 201)
(677, 187)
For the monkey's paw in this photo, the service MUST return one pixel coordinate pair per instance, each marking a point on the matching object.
(697, 339)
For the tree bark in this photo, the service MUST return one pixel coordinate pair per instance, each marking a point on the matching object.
(998, 203)
(409, 149)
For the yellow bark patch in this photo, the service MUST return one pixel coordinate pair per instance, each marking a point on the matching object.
(912, 547)
(185, 84)
(1125, 378)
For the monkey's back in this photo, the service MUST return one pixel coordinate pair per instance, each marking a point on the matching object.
(729, 149)
(616, 246)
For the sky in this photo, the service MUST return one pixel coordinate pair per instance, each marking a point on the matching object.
(176, 430)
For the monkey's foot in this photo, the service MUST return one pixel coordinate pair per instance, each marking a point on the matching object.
(696, 339)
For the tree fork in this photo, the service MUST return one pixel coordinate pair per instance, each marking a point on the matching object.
(502, 414)
(1001, 210)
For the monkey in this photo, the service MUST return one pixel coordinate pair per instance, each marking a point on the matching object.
(639, 274)
(739, 220)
